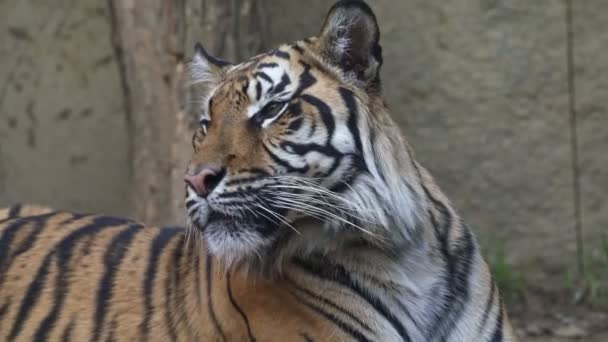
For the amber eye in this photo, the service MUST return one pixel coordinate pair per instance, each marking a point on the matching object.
(270, 111)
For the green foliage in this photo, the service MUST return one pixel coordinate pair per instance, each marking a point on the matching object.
(597, 275)
(510, 281)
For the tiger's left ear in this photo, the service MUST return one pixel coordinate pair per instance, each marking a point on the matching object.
(350, 39)
(206, 69)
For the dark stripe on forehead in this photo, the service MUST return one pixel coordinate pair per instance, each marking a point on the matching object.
(307, 80)
(280, 54)
(263, 76)
(267, 65)
(285, 81)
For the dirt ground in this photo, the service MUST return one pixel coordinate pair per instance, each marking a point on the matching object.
(544, 317)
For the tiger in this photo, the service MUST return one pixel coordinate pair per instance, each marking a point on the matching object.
(20, 210)
(309, 219)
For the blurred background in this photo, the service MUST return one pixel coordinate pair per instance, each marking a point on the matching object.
(504, 101)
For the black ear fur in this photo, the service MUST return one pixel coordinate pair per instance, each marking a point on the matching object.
(206, 68)
(350, 39)
(199, 49)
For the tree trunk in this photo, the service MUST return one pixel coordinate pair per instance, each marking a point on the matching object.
(152, 39)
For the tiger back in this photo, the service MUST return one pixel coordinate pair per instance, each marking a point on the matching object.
(72, 277)
(23, 210)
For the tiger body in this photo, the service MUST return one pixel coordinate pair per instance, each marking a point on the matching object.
(309, 217)
(69, 277)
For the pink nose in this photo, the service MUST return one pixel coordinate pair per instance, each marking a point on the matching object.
(204, 180)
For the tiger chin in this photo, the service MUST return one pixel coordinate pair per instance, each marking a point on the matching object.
(300, 177)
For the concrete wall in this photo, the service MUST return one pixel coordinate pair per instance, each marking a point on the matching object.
(591, 106)
(62, 123)
(480, 88)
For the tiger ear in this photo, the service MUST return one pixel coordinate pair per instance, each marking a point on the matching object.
(206, 69)
(350, 39)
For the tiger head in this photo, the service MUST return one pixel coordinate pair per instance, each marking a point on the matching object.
(296, 145)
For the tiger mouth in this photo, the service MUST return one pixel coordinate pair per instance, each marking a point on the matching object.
(234, 224)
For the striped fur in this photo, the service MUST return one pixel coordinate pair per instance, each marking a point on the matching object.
(321, 225)
(22, 210)
(70, 277)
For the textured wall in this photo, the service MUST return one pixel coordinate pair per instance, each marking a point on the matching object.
(62, 125)
(591, 105)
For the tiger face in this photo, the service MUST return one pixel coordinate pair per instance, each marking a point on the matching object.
(280, 135)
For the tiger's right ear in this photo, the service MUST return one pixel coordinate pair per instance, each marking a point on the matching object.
(206, 69)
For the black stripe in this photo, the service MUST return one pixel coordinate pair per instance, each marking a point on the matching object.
(112, 260)
(66, 336)
(330, 303)
(488, 307)
(171, 289)
(60, 253)
(285, 164)
(285, 81)
(112, 335)
(258, 90)
(458, 262)
(306, 80)
(209, 275)
(4, 309)
(357, 335)
(497, 336)
(31, 296)
(6, 240)
(268, 65)
(156, 249)
(198, 48)
(197, 272)
(14, 211)
(324, 269)
(280, 54)
(351, 104)
(238, 308)
(325, 113)
(263, 76)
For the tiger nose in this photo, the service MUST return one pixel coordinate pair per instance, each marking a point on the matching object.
(205, 179)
